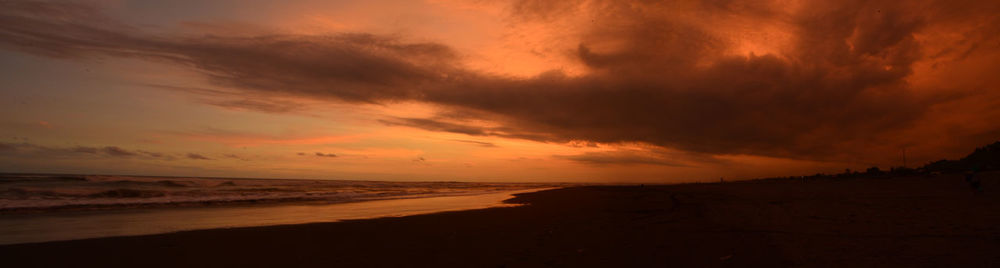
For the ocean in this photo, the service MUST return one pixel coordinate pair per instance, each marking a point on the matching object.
(41, 208)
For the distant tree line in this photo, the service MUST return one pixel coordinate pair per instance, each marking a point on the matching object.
(986, 158)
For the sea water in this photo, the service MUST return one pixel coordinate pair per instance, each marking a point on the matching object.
(41, 208)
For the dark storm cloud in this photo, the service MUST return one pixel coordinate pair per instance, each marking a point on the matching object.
(654, 77)
(352, 67)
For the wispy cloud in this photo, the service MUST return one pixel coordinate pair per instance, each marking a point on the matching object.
(236, 100)
(318, 154)
(197, 156)
(325, 154)
(479, 143)
(235, 156)
(116, 151)
(622, 158)
(240, 139)
(26, 149)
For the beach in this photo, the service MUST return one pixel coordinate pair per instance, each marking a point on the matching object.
(75, 225)
(506, 133)
(921, 220)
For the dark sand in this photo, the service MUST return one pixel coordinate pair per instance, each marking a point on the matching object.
(898, 222)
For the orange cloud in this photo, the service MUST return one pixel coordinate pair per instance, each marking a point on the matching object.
(236, 139)
(814, 80)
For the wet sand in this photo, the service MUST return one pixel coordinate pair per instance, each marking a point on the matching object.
(904, 221)
(53, 226)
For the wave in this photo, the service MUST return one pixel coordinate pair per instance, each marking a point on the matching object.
(45, 193)
(128, 193)
(34, 178)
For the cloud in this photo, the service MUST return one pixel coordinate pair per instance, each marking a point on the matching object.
(318, 154)
(352, 67)
(435, 125)
(325, 155)
(621, 158)
(197, 156)
(117, 152)
(812, 80)
(236, 100)
(480, 143)
(25, 149)
(243, 139)
(459, 126)
(235, 156)
(151, 154)
(82, 149)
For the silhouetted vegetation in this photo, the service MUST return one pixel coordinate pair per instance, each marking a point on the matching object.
(983, 159)
(986, 158)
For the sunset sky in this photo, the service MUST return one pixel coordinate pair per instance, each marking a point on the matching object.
(473, 90)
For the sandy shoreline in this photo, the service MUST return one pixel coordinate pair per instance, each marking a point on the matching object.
(75, 225)
(903, 221)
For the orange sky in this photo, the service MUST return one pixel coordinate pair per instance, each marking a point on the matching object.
(522, 90)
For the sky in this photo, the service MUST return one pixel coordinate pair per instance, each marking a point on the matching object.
(473, 90)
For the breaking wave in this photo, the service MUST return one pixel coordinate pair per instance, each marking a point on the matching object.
(28, 193)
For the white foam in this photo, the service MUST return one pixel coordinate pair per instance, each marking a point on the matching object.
(58, 192)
